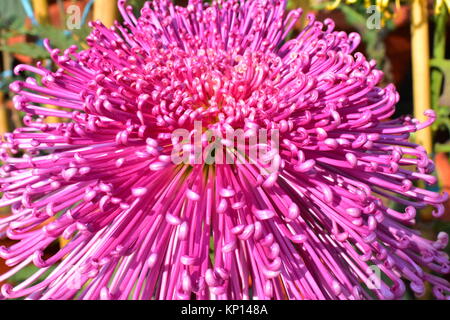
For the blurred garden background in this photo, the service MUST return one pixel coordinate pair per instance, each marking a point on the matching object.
(409, 39)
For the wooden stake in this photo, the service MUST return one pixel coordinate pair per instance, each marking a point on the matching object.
(105, 11)
(421, 68)
(40, 8)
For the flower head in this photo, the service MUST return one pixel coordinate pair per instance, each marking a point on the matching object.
(306, 220)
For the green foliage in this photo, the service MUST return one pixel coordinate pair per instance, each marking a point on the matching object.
(440, 78)
(356, 15)
(27, 272)
(11, 12)
(24, 274)
(137, 5)
(61, 39)
(28, 49)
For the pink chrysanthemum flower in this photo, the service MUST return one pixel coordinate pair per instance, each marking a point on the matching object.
(313, 224)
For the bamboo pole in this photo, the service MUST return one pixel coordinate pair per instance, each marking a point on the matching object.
(7, 64)
(421, 68)
(3, 115)
(40, 8)
(105, 11)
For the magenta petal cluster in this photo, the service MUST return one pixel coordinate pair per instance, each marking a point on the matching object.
(142, 227)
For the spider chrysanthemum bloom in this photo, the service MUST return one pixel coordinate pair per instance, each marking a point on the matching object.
(311, 223)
